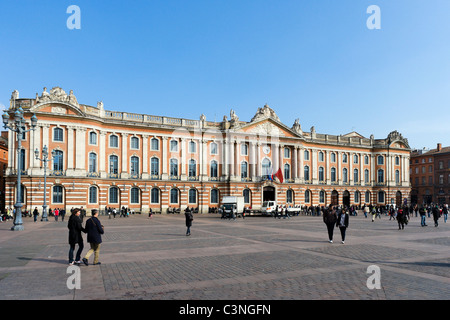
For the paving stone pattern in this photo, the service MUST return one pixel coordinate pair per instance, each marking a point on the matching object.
(257, 258)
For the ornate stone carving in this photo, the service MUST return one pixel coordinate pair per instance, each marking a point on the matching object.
(267, 128)
(297, 127)
(264, 113)
(57, 95)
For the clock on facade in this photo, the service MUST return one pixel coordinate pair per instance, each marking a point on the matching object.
(266, 149)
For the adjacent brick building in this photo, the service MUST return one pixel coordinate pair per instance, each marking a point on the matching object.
(430, 175)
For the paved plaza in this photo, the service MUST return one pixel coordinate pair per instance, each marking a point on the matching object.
(257, 258)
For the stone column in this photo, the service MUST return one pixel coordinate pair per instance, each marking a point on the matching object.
(80, 158)
(164, 146)
(70, 148)
(144, 156)
(102, 155)
(124, 173)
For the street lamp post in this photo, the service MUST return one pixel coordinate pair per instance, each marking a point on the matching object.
(44, 159)
(17, 125)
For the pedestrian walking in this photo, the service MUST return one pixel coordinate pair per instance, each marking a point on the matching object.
(423, 216)
(62, 213)
(445, 212)
(401, 218)
(329, 218)
(56, 213)
(189, 218)
(150, 212)
(75, 228)
(436, 214)
(94, 230)
(366, 210)
(35, 214)
(342, 223)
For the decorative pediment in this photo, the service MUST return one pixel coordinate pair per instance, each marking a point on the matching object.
(353, 134)
(265, 113)
(269, 127)
(396, 140)
(57, 94)
(57, 101)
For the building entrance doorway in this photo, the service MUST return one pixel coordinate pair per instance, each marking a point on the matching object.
(268, 194)
(346, 198)
(334, 198)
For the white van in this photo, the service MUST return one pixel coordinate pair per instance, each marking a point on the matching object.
(268, 207)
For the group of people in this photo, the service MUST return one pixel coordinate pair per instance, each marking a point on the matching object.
(404, 213)
(94, 230)
(123, 212)
(336, 216)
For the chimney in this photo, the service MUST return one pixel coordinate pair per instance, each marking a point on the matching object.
(439, 146)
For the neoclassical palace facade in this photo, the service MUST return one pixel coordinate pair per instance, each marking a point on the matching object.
(112, 159)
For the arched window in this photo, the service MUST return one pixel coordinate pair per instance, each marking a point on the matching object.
(333, 157)
(287, 171)
(397, 176)
(380, 175)
(58, 134)
(306, 173)
(213, 148)
(113, 141)
(380, 160)
(356, 196)
(134, 165)
(306, 154)
(114, 195)
(192, 196)
(380, 196)
(92, 138)
(58, 161)
(154, 144)
(244, 169)
(93, 194)
(321, 174)
(174, 195)
(307, 196)
(192, 168)
(322, 196)
(333, 174)
(113, 164)
(173, 167)
(154, 195)
(134, 195)
(344, 175)
(154, 166)
(246, 194)
(214, 196)
(213, 169)
(367, 197)
(192, 147)
(355, 175)
(57, 194)
(92, 162)
(266, 167)
(134, 143)
(366, 176)
(289, 196)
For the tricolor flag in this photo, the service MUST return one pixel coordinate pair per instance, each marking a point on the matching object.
(279, 175)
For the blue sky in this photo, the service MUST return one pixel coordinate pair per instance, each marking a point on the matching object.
(315, 60)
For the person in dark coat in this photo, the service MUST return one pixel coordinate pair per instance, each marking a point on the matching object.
(189, 218)
(436, 214)
(330, 217)
(94, 231)
(342, 223)
(401, 218)
(75, 228)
